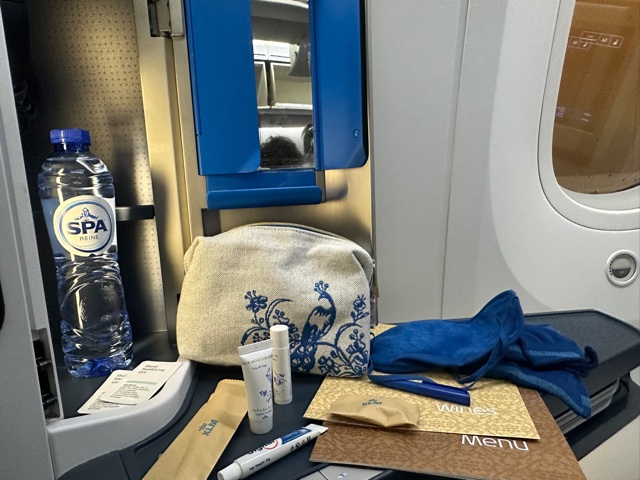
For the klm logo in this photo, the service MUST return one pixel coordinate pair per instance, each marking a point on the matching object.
(86, 224)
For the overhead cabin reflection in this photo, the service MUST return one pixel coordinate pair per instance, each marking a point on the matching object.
(282, 59)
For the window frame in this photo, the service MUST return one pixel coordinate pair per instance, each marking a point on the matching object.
(611, 211)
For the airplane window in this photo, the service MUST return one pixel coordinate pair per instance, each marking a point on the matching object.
(596, 137)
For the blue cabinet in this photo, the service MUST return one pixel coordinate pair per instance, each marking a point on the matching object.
(232, 59)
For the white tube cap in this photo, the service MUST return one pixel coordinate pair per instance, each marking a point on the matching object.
(280, 336)
(232, 472)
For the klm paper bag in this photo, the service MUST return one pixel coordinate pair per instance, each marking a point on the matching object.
(240, 283)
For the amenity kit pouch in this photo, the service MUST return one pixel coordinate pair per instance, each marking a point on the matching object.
(241, 282)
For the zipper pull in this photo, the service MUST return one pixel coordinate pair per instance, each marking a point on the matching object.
(373, 296)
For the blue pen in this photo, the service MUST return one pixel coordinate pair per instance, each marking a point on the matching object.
(434, 390)
(424, 386)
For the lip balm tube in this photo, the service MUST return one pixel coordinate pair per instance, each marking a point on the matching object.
(255, 359)
(265, 455)
(282, 393)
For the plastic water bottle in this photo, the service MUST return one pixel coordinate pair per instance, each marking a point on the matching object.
(78, 200)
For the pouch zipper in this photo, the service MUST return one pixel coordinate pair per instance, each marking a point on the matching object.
(297, 226)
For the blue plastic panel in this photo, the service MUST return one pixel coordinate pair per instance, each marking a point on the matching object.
(219, 36)
(266, 188)
(225, 106)
(337, 82)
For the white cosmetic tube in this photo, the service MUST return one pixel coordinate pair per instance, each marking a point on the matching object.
(265, 455)
(255, 359)
(282, 393)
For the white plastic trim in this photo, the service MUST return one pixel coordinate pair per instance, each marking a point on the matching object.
(623, 200)
(74, 441)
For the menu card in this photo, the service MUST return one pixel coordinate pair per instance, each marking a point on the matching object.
(467, 456)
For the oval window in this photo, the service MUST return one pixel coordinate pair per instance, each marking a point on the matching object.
(596, 146)
(590, 164)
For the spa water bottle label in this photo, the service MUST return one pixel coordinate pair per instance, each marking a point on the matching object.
(85, 225)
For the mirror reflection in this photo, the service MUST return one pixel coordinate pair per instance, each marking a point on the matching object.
(283, 83)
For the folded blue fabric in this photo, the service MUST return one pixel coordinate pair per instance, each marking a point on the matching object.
(544, 359)
(494, 343)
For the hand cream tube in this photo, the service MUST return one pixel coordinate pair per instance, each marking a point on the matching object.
(265, 455)
(255, 359)
(282, 393)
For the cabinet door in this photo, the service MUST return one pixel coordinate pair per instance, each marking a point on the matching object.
(249, 61)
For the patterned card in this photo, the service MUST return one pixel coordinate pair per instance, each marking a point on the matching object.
(496, 409)
(456, 456)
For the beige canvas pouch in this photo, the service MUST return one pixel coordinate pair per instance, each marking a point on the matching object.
(241, 282)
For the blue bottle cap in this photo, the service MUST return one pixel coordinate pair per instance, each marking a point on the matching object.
(69, 135)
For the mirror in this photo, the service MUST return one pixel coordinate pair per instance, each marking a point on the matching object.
(282, 65)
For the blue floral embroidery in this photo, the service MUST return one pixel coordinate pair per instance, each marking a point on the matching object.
(256, 302)
(348, 354)
(272, 316)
